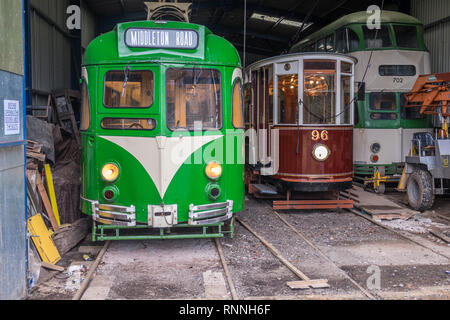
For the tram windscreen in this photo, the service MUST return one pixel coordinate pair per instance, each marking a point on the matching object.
(384, 101)
(194, 99)
(406, 36)
(377, 38)
(128, 89)
(319, 95)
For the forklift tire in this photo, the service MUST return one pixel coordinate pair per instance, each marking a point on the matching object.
(420, 190)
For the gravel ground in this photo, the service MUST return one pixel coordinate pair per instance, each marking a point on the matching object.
(256, 272)
(174, 269)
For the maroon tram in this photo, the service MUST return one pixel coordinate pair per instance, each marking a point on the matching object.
(299, 120)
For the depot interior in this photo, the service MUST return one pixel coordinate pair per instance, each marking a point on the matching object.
(40, 55)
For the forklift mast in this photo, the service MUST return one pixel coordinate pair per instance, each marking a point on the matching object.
(431, 93)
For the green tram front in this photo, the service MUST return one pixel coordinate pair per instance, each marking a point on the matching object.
(162, 132)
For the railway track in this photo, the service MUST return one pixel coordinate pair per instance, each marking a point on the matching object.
(295, 270)
(312, 245)
(273, 250)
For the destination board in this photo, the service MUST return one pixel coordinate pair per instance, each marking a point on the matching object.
(161, 38)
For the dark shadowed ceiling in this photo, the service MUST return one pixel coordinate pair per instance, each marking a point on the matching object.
(271, 25)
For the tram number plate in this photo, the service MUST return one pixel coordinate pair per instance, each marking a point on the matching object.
(320, 135)
(162, 217)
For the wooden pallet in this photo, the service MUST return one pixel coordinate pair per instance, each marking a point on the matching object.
(379, 207)
(64, 110)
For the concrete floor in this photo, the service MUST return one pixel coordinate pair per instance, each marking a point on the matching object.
(191, 269)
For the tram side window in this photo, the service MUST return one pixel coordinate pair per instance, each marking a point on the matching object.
(248, 104)
(321, 45)
(85, 108)
(319, 92)
(238, 106)
(397, 70)
(288, 99)
(377, 38)
(330, 43)
(406, 36)
(128, 89)
(341, 41)
(194, 98)
(346, 40)
(346, 103)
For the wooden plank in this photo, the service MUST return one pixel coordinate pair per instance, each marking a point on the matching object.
(34, 155)
(42, 240)
(67, 238)
(440, 235)
(376, 204)
(51, 192)
(52, 266)
(47, 204)
(443, 217)
(315, 284)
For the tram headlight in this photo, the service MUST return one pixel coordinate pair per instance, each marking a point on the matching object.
(110, 172)
(321, 152)
(213, 170)
(375, 147)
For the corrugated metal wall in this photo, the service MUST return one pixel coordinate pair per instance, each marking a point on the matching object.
(88, 26)
(437, 35)
(13, 243)
(51, 48)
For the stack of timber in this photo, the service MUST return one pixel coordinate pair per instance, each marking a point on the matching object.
(55, 222)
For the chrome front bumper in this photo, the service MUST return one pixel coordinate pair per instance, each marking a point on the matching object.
(114, 215)
(210, 213)
(126, 216)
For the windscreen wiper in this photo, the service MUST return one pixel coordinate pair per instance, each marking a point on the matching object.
(125, 82)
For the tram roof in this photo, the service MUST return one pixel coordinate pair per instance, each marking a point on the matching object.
(324, 55)
(360, 18)
(111, 47)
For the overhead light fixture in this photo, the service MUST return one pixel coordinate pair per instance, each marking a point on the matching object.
(287, 22)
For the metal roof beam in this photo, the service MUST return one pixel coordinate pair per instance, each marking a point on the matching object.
(225, 29)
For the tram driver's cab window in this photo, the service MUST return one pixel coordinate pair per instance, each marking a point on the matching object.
(319, 106)
(128, 89)
(383, 101)
(406, 37)
(194, 99)
(377, 38)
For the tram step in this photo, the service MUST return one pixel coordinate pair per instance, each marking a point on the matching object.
(265, 189)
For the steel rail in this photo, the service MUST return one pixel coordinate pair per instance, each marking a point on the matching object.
(396, 232)
(227, 271)
(367, 293)
(88, 279)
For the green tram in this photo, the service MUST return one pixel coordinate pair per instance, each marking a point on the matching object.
(162, 132)
(390, 60)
